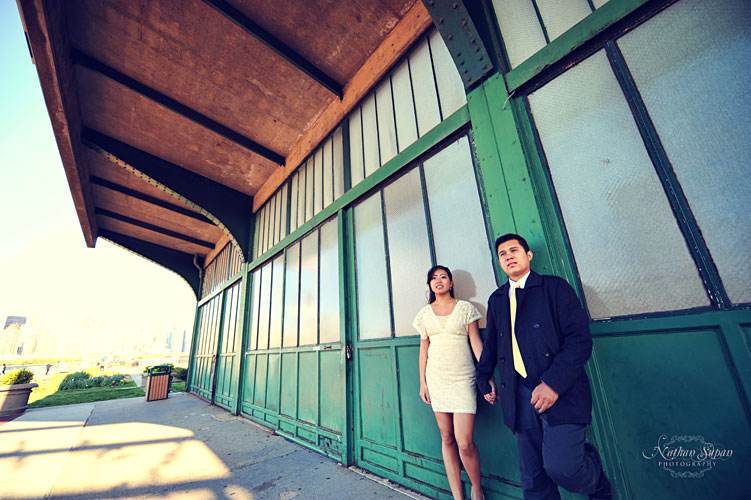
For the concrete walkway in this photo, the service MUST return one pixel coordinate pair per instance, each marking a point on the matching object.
(178, 448)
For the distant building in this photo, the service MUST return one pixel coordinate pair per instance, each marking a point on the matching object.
(10, 338)
(14, 320)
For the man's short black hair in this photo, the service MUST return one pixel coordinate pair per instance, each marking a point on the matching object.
(509, 237)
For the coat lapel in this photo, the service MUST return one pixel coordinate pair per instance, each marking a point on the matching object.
(533, 280)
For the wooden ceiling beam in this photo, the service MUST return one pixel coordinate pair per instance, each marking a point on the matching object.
(98, 181)
(152, 227)
(47, 37)
(276, 45)
(228, 209)
(412, 26)
(85, 60)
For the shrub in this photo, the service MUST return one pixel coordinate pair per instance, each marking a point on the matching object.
(82, 375)
(22, 376)
(180, 373)
(172, 366)
(88, 383)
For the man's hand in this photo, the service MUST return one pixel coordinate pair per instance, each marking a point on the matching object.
(424, 395)
(543, 397)
(492, 396)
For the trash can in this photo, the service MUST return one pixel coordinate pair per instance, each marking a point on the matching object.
(159, 382)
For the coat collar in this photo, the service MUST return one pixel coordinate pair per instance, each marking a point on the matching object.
(533, 279)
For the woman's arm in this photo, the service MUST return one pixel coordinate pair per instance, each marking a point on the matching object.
(475, 340)
(424, 343)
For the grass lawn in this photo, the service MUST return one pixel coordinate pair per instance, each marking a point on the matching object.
(177, 386)
(48, 395)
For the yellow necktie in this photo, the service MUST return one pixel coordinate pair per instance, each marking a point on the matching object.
(518, 361)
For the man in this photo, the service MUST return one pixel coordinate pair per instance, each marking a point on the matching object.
(539, 333)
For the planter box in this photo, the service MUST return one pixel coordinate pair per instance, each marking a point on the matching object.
(15, 398)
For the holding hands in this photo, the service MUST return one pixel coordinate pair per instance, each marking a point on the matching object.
(492, 396)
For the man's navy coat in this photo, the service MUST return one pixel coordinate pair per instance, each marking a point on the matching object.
(552, 330)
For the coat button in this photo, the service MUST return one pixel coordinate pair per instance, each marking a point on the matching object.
(536, 325)
(547, 354)
(503, 386)
(501, 334)
(503, 360)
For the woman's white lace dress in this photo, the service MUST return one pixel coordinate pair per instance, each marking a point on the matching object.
(450, 372)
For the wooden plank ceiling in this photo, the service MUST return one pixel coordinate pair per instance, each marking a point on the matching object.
(237, 91)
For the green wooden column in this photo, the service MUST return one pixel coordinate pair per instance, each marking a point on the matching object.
(508, 195)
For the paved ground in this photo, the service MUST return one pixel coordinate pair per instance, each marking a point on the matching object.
(178, 448)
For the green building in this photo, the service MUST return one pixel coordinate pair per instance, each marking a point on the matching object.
(302, 164)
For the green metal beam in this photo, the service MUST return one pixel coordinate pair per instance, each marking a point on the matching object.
(462, 39)
(591, 26)
(229, 209)
(178, 262)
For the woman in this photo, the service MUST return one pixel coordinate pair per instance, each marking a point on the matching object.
(447, 375)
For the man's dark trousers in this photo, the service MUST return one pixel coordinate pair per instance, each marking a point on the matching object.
(550, 454)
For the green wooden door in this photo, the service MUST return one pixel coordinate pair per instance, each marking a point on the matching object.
(204, 360)
(294, 362)
(432, 213)
(225, 389)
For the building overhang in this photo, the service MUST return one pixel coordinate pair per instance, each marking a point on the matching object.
(176, 120)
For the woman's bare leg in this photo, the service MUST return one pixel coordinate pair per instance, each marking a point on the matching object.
(450, 453)
(464, 426)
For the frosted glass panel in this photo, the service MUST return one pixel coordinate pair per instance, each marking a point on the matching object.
(459, 234)
(256, 241)
(355, 148)
(309, 171)
(406, 122)
(263, 314)
(372, 289)
(291, 295)
(630, 253)
(309, 290)
(370, 135)
(293, 202)
(338, 164)
(426, 98)
(277, 289)
(521, 31)
(560, 15)
(450, 85)
(253, 341)
(328, 175)
(277, 217)
(285, 190)
(318, 182)
(302, 190)
(266, 226)
(409, 250)
(386, 124)
(679, 60)
(329, 288)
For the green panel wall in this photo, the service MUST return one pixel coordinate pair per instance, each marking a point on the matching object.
(331, 399)
(687, 374)
(289, 385)
(307, 388)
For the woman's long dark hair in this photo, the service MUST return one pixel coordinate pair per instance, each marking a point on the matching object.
(431, 296)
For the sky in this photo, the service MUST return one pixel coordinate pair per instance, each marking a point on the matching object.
(46, 270)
